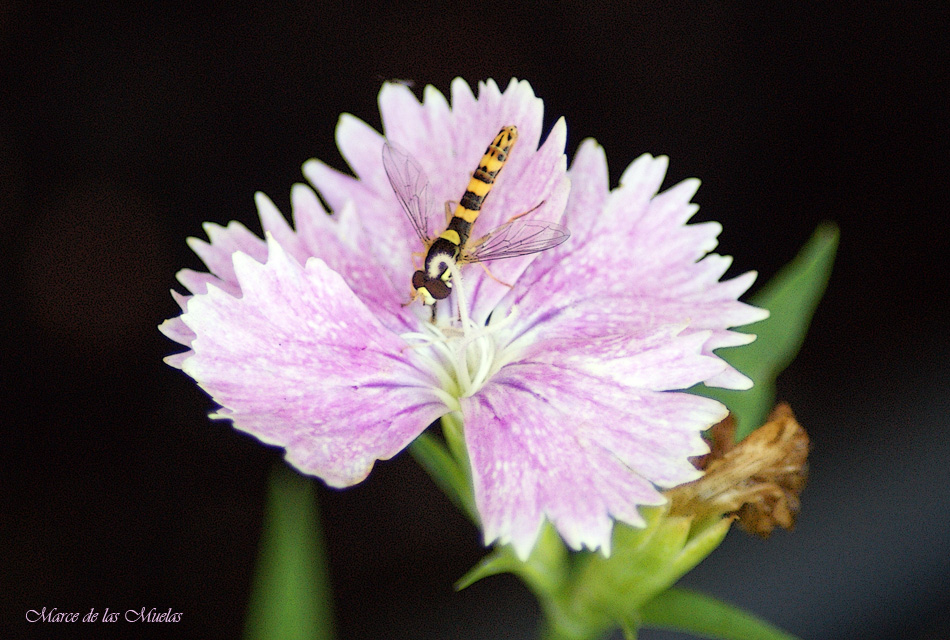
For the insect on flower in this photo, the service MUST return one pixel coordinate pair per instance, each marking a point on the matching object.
(566, 402)
(517, 237)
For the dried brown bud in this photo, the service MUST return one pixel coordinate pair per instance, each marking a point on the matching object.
(758, 479)
(721, 438)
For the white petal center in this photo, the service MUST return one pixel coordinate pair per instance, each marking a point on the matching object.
(460, 354)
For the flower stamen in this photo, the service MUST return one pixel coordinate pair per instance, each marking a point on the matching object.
(462, 356)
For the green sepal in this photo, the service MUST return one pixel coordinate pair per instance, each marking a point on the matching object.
(603, 593)
(433, 455)
(704, 537)
(545, 572)
(290, 596)
(791, 298)
(691, 612)
(500, 560)
(645, 562)
(629, 629)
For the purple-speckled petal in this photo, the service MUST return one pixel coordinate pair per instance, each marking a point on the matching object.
(298, 361)
(177, 330)
(223, 243)
(274, 223)
(329, 238)
(588, 195)
(197, 282)
(417, 126)
(371, 197)
(577, 449)
(638, 267)
(336, 239)
(662, 359)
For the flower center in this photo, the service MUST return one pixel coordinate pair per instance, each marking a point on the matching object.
(462, 355)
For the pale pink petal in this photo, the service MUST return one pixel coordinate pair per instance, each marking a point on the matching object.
(224, 242)
(661, 359)
(363, 272)
(177, 330)
(298, 361)
(640, 267)
(197, 282)
(177, 360)
(181, 299)
(416, 125)
(577, 449)
(448, 144)
(588, 196)
(274, 223)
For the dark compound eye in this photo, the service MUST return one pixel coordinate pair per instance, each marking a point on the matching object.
(418, 279)
(438, 289)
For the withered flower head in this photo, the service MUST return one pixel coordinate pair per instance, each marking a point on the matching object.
(758, 480)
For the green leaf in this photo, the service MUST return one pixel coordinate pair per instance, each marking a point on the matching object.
(704, 616)
(290, 598)
(791, 297)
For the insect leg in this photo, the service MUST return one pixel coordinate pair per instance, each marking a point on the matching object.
(523, 214)
(492, 276)
(449, 210)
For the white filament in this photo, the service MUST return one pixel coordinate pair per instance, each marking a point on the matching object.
(460, 355)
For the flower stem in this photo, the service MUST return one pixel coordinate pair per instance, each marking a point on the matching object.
(453, 431)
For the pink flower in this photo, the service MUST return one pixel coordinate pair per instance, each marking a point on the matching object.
(568, 384)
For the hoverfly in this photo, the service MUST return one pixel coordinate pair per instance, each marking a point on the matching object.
(518, 236)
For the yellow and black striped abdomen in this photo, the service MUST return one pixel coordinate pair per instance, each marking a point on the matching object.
(496, 155)
(432, 282)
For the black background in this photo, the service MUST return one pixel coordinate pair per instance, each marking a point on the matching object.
(124, 129)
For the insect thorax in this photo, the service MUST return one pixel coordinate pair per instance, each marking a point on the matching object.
(442, 253)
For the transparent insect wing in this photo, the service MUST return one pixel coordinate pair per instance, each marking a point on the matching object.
(411, 186)
(518, 237)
